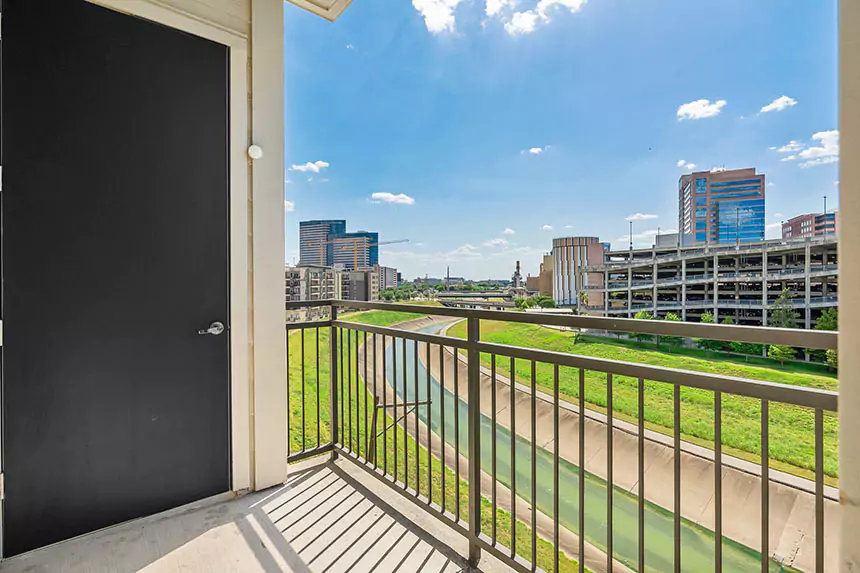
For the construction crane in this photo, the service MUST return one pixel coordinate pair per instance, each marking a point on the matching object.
(351, 244)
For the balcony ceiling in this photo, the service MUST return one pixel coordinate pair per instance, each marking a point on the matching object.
(328, 9)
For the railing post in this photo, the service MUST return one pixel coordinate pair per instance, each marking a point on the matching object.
(474, 424)
(333, 418)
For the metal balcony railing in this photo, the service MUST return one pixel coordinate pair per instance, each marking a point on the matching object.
(417, 409)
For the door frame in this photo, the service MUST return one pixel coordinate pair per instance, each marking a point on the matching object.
(241, 435)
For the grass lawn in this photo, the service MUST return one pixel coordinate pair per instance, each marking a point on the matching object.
(316, 401)
(791, 428)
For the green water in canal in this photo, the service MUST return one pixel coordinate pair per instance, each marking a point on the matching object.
(697, 543)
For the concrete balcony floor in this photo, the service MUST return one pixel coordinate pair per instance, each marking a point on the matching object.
(326, 518)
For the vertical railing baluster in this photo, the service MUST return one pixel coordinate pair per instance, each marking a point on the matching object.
(609, 477)
(513, 409)
(349, 387)
(415, 401)
(534, 464)
(641, 497)
(319, 438)
(357, 389)
(429, 431)
(332, 378)
(394, 403)
(457, 431)
(819, 490)
(384, 412)
(375, 413)
(364, 392)
(493, 440)
(405, 424)
(304, 434)
(555, 494)
(765, 486)
(677, 474)
(342, 393)
(289, 402)
(473, 398)
(443, 407)
(718, 481)
(581, 491)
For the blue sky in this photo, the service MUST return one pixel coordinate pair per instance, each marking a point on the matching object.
(481, 129)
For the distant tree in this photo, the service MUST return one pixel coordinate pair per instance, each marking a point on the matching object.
(828, 321)
(641, 337)
(543, 301)
(832, 359)
(781, 353)
(783, 315)
(672, 341)
(746, 348)
(583, 298)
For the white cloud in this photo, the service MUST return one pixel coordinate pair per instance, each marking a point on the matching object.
(771, 184)
(350, 47)
(400, 198)
(773, 230)
(700, 109)
(289, 206)
(568, 226)
(497, 242)
(826, 151)
(640, 217)
(536, 150)
(438, 14)
(466, 250)
(718, 169)
(546, 228)
(314, 167)
(527, 22)
(522, 23)
(779, 104)
(680, 163)
(778, 215)
(683, 163)
(508, 231)
(836, 182)
(819, 161)
(790, 147)
(496, 6)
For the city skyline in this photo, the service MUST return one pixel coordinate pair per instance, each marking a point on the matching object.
(525, 135)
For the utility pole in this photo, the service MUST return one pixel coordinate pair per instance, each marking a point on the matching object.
(631, 235)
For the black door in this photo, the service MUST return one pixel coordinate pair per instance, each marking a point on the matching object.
(115, 252)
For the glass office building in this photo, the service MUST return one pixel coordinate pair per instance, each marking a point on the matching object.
(721, 207)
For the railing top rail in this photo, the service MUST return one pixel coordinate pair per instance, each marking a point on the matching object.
(755, 334)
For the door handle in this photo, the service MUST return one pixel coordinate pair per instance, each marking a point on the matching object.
(214, 329)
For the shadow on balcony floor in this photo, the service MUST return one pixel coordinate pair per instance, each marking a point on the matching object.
(323, 520)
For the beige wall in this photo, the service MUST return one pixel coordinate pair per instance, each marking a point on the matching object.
(267, 201)
(849, 271)
(233, 15)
